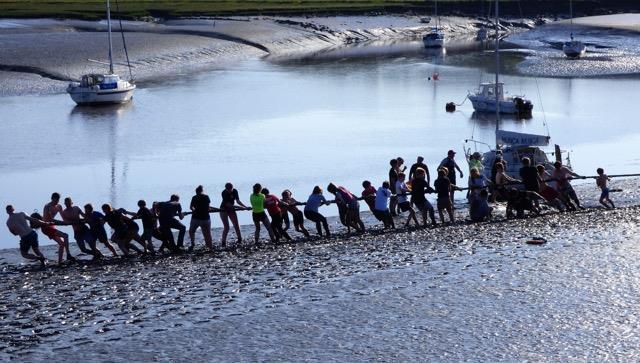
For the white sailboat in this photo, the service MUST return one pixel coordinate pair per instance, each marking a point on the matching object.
(435, 38)
(101, 89)
(511, 146)
(490, 97)
(573, 49)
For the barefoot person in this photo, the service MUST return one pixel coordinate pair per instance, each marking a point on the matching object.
(403, 201)
(167, 211)
(73, 215)
(123, 230)
(381, 210)
(49, 213)
(230, 198)
(18, 226)
(200, 206)
(451, 165)
(345, 198)
(291, 206)
(272, 204)
(258, 213)
(550, 195)
(369, 195)
(150, 229)
(562, 176)
(444, 187)
(602, 182)
(393, 178)
(95, 220)
(316, 199)
(419, 188)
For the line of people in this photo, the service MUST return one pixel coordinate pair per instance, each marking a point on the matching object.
(395, 196)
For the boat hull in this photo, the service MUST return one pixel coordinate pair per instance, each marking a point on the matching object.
(87, 97)
(433, 43)
(481, 104)
(574, 49)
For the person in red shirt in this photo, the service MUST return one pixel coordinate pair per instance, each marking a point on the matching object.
(272, 204)
(369, 195)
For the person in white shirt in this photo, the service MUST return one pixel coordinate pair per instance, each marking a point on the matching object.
(403, 202)
(381, 210)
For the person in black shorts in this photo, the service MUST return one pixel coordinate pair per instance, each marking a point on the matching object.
(419, 188)
(201, 207)
(95, 220)
(291, 206)
(18, 226)
(123, 230)
(166, 213)
(230, 198)
(393, 178)
(443, 187)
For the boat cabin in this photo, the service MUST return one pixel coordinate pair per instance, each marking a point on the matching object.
(103, 81)
(488, 90)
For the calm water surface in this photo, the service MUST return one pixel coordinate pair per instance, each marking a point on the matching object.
(291, 125)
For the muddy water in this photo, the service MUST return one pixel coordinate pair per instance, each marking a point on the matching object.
(458, 293)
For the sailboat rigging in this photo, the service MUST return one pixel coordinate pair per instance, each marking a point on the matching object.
(100, 89)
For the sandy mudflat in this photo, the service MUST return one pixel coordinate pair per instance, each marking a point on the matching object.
(59, 50)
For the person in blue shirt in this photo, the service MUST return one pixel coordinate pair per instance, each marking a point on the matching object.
(316, 199)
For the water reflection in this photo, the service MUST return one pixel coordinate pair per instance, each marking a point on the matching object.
(103, 112)
(102, 122)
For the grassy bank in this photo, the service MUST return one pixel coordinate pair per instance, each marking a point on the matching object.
(94, 9)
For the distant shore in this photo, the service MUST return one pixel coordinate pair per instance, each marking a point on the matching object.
(44, 54)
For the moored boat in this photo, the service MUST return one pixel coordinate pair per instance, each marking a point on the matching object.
(102, 89)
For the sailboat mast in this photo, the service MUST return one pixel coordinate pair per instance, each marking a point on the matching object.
(571, 16)
(437, 17)
(110, 41)
(497, 73)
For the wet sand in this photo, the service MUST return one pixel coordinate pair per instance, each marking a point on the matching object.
(59, 50)
(454, 293)
(42, 55)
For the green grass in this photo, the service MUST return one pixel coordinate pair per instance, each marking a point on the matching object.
(94, 9)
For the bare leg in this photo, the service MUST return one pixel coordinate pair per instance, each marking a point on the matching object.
(105, 242)
(64, 238)
(206, 233)
(236, 226)
(29, 256)
(266, 223)
(450, 210)
(225, 228)
(123, 246)
(257, 232)
(192, 236)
